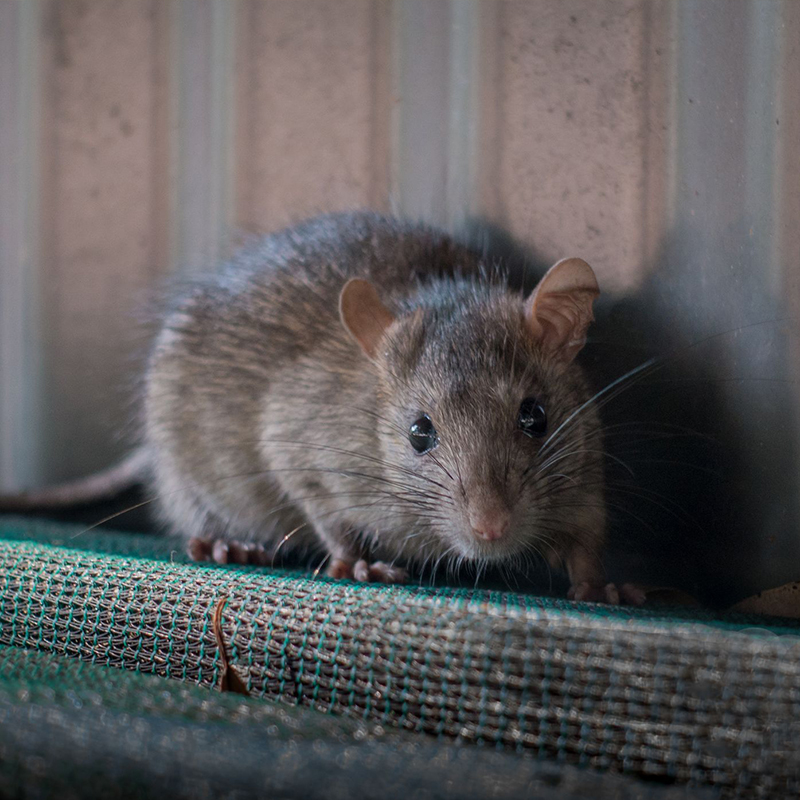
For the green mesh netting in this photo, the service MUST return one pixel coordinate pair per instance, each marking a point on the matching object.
(709, 702)
(70, 729)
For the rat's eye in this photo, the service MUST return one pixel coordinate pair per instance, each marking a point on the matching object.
(422, 435)
(532, 419)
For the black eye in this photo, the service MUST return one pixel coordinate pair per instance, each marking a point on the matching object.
(532, 419)
(422, 435)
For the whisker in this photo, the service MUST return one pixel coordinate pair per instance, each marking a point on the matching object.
(355, 454)
(286, 539)
(615, 383)
(324, 561)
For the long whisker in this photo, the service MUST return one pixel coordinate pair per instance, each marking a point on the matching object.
(286, 539)
(649, 366)
(356, 454)
(322, 563)
(245, 475)
(627, 376)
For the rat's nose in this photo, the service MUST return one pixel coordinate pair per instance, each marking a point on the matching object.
(490, 525)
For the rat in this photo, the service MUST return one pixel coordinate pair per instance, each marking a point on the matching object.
(372, 388)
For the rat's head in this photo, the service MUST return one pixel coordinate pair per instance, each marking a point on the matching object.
(481, 421)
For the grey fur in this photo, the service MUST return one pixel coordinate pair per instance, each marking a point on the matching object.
(262, 416)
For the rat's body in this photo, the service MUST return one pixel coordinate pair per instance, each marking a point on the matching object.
(280, 396)
(253, 374)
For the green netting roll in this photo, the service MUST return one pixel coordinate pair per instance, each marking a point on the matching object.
(682, 702)
(70, 729)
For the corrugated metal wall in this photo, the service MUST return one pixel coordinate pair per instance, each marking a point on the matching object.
(656, 139)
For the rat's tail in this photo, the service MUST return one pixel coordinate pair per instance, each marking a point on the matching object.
(94, 488)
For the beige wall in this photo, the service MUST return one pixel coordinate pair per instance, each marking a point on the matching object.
(156, 123)
(312, 109)
(104, 221)
(573, 137)
(117, 174)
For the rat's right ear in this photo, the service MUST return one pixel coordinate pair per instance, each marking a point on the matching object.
(560, 309)
(363, 314)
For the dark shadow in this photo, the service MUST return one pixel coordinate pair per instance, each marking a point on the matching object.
(688, 502)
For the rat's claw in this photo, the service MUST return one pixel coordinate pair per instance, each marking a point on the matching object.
(632, 595)
(222, 551)
(365, 572)
(378, 572)
(586, 592)
(340, 569)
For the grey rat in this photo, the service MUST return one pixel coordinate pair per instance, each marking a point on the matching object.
(372, 388)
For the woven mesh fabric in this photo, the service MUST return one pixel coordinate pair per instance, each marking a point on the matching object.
(710, 703)
(173, 550)
(72, 729)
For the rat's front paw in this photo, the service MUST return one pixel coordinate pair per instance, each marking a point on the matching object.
(340, 569)
(365, 572)
(378, 572)
(224, 551)
(587, 592)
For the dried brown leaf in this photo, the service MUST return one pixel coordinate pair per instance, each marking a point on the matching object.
(229, 679)
(783, 601)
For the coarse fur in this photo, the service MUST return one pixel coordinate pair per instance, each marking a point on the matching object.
(265, 423)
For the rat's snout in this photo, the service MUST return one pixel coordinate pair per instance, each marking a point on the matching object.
(489, 521)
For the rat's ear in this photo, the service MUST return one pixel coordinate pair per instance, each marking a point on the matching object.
(560, 309)
(363, 314)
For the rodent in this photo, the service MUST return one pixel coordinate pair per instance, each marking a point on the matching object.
(371, 387)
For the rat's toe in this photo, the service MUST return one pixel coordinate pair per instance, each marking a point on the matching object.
(340, 569)
(219, 551)
(378, 572)
(586, 592)
(387, 573)
(199, 549)
(365, 572)
(241, 552)
(611, 594)
(222, 551)
(583, 592)
(626, 593)
(261, 556)
(632, 595)
(361, 571)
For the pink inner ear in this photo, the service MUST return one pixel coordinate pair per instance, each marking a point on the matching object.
(560, 309)
(363, 314)
(564, 318)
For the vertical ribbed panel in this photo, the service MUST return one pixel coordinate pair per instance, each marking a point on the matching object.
(718, 278)
(103, 215)
(204, 130)
(20, 321)
(311, 109)
(568, 116)
(436, 112)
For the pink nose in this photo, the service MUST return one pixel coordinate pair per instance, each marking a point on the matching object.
(490, 527)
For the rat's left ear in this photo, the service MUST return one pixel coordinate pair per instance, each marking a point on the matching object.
(363, 314)
(560, 309)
